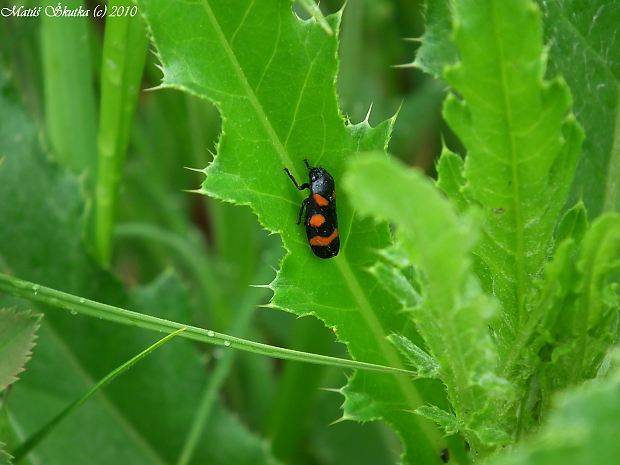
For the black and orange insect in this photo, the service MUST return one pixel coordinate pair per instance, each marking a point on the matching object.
(321, 220)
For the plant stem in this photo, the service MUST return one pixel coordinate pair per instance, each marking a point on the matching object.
(124, 52)
(45, 295)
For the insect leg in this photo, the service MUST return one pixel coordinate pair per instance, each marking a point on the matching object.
(302, 187)
(303, 205)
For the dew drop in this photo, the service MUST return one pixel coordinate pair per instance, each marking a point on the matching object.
(82, 301)
(73, 312)
(210, 333)
(227, 343)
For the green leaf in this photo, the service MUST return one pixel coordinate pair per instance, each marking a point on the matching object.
(448, 422)
(313, 9)
(5, 459)
(426, 366)
(451, 179)
(40, 435)
(276, 94)
(574, 224)
(596, 309)
(550, 301)
(95, 434)
(175, 368)
(583, 428)
(16, 341)
(573, 321)
(437, 50)
(395, 282)
(43, 244)
(454, 313)
(179, 368)
(522, 148)
(583, 47)
(70, 115)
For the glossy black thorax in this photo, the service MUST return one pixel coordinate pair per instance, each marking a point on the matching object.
(321, 182)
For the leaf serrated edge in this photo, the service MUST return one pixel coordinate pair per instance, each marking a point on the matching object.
(27, 355)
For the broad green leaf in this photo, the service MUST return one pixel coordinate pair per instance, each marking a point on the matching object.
(94, 434)
(583, 428)
(43, 244)
(16, 341)
(585, 50)
(454, 313)
(34, 440)
(275, 91)
(522, 148)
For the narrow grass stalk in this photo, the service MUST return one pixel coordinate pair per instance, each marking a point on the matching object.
(45, 295)
(124, 53)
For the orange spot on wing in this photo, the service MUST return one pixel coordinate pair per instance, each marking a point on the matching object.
(317, 220)
(323, 241)
(320, 200)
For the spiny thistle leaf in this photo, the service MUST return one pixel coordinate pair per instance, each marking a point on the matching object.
(16, 341)
(454, 312)
(521, 146)
(583, 48)
(272, 76)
